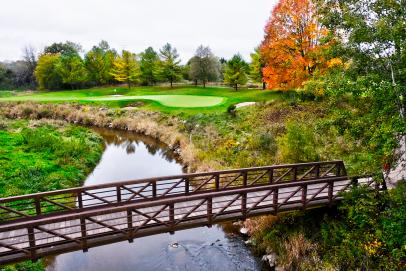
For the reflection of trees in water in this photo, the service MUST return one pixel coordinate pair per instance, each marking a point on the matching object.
(130, 141)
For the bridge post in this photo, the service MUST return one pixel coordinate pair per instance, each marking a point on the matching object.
(186, 185)
(31, 241)
(245, 179)
(154, 189)
(244, 205)
(118, 192)
(338, 168)
(317, 171)
(304, 196)
(270, 176)
(84, 234)
(80, 200)
(210, 211)
(130, 225)
(330, 193)
(172, 217)
(294, 173)
(217, 181)
(275, 200)
(37, 206)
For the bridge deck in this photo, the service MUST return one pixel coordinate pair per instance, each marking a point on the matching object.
(80, 229)
(33, 226)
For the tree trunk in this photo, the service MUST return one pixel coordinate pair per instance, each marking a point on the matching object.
(171, 83)
(236, 87)
(263, 85)
(204, 83)
(196, 83)
(129, 84)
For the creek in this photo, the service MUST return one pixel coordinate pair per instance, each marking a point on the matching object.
(129, 156)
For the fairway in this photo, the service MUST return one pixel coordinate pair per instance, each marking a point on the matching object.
(169, 100)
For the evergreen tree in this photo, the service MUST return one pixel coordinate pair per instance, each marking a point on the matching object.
(256, 67)
(170, 69)
(236, 71)
(149, 65)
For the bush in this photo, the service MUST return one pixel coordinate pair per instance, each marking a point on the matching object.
(371, 234)
(231, 109)
(297, 144)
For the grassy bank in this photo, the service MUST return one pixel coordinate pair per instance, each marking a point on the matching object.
(35, 156)
(40, 156)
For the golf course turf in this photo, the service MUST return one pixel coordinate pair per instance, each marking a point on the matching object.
(184, 99)
(169, 100)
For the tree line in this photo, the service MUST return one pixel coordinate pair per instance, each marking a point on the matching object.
(61, 66)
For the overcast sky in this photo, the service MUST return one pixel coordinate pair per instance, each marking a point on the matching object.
(227, 26)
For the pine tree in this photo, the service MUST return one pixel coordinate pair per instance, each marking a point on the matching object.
(149, 66)
(170, 69)
(236, 71)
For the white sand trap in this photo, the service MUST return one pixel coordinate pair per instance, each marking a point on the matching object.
(245, 104)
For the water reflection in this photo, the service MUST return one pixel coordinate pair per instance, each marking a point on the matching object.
(130, 141)
(130, 156)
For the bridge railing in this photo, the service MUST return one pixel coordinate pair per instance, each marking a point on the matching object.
(71, 200)
(71, 231)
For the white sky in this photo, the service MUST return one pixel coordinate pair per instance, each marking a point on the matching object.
(227, 26)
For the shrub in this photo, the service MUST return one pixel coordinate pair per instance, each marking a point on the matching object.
(231, 109)
(297, 144)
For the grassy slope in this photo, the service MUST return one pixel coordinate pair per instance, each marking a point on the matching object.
(41, 159)
(93, 95)
(44, 158)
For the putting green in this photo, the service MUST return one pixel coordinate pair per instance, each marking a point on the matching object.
(166, 100)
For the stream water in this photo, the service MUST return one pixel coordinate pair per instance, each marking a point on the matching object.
(129, 156)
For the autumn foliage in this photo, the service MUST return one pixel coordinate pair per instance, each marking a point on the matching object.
(292, 45)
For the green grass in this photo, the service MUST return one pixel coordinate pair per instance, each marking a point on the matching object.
(169, 100)
(181, 99)
(44, 158)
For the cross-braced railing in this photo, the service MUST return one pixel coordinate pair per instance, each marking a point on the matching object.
(26, 207)
(86, 228)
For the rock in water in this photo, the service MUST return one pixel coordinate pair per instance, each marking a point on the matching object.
(270, 258)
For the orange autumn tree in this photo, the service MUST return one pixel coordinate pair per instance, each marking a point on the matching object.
(292, 45)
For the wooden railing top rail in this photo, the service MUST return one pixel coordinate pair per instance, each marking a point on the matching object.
(75, 190)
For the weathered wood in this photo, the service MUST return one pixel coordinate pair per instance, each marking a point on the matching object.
(126, 220)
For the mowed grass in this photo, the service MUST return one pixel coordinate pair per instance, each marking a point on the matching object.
(169, 100)
(180, 99)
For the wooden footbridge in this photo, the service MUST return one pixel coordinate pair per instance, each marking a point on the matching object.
(36, 225)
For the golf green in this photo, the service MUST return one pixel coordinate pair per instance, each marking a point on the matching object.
(168, 100)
